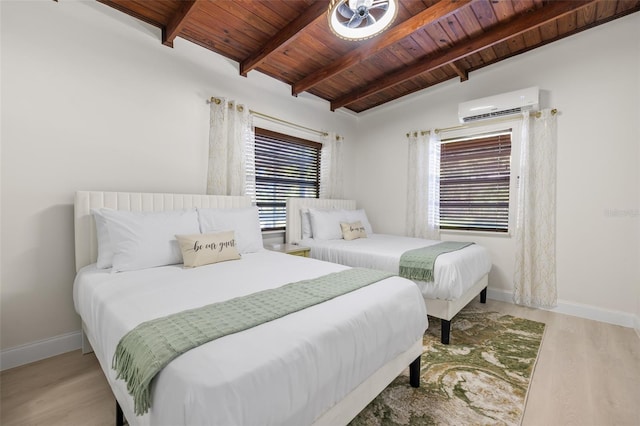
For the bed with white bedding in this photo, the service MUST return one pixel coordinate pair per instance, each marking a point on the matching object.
(459, 275)
(320, 365)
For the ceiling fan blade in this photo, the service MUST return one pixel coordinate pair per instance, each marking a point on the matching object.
(355, 21)
(383, 6)
(345, 11)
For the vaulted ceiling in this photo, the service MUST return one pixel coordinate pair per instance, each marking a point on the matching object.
(429, 42)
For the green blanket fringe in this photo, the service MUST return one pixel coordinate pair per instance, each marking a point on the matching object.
(149, 347)
(418, 264)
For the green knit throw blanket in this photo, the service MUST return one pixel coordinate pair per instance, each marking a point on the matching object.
(418, 264)
(149, 347)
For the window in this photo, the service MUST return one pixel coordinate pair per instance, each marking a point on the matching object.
(286, 166)
(474, 182)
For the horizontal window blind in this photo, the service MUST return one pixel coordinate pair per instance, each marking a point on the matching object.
(474, 183)
(285, 167)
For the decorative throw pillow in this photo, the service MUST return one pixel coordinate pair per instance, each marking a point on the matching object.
(352, 231)
(204, 249)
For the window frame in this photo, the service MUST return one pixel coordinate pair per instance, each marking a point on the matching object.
(478, 129)
(289, 139)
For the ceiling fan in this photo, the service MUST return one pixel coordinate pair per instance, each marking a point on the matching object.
(361, 19)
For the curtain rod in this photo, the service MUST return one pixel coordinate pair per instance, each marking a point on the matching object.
(279, 120)
(274, 119)
(535, 114)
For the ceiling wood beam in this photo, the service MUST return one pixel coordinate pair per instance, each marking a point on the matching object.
(462, 73)
(438, 11)
(285, 36)
(130, 12)
(496, 35)
(177, 22)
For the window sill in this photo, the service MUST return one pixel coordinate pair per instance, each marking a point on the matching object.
(477, 233)
(273, 232)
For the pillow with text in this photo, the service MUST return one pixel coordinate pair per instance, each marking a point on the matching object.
(352, 231)
(205, 249)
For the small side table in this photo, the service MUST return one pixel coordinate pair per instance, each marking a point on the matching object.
(293, 249)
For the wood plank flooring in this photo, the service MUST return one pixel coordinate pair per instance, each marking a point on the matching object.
(588, 373)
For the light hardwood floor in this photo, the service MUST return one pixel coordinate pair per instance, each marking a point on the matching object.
(588, 373)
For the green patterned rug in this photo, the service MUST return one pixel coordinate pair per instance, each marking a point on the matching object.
(481, 378)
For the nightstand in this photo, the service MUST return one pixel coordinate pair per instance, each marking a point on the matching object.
(289, 249)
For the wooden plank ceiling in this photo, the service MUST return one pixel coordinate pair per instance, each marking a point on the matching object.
(429, 42)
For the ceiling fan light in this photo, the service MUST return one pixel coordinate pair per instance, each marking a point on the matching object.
(361, 28)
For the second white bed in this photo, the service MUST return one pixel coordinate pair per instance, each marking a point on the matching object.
(459, 276)
(454, 272)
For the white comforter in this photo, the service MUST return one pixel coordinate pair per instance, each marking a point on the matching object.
(285, 372)
(454, 272)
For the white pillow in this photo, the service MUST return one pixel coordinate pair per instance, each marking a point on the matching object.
(359, 215)
(305, 222)
(325, 224)
(105, 249)
(245, 222)
(146, 239)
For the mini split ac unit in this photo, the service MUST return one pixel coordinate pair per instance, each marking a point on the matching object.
(499, 105)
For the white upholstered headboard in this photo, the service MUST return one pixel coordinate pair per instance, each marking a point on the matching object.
(294, 205)
(85, 228)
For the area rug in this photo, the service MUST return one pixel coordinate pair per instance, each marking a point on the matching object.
(481, 378)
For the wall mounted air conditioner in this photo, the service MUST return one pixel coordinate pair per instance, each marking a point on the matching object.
(499, 105)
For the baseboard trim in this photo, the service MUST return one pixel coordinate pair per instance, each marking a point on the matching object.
(578, 310)
(637, 325)
(46, 348)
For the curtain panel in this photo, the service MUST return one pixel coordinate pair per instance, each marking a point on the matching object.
(231, 168)
(331, 178)
(535, 265)
(423, 185)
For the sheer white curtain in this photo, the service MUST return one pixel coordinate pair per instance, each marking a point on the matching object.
(231, 149)
(535, 267)
(423, 183)
(331, 181)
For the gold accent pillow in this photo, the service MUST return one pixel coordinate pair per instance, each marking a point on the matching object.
(204, 249)
(351, 231)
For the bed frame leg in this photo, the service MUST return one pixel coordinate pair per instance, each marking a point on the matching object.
(483, 295)
(414, 373)
(119, 415)
(445, 326)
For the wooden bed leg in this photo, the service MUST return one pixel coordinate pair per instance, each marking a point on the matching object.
(445, 331)
(414, 373)
(483, 295)
(119, 415)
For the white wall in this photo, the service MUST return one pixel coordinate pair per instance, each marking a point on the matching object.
(592, 78)
(92, 100)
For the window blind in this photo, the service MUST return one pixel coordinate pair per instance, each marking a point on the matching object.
(285, 167)
(474, 183)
